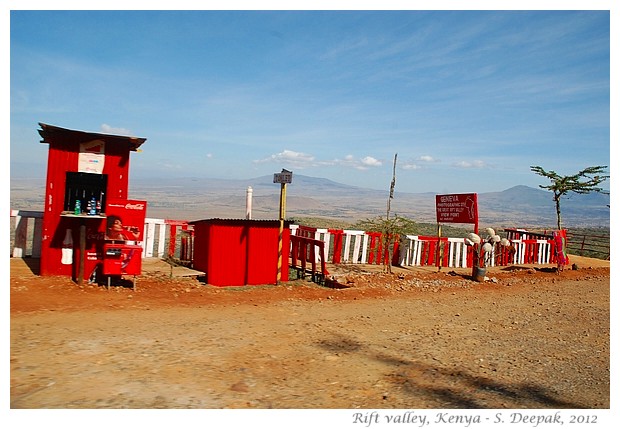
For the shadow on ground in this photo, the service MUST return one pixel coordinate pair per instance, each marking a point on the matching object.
(448, 387)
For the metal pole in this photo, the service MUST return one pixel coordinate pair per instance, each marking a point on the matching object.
(439, 248)
(282, 215)
(474, 265)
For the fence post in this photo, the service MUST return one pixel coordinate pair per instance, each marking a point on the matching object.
(337, 255)
(149, 241)
(326, 241)
(21, 233)
(37, 237)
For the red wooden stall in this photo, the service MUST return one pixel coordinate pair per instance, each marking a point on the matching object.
(84, 168)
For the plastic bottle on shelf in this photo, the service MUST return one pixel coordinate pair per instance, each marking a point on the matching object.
(92, 206)
(78, 208)
(98, 207)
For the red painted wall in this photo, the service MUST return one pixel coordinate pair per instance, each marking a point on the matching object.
(240, 252)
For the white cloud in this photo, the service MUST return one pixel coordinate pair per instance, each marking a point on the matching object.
(471, 164)
(359, 164)
(427, 158)
(418, 162)
(290, 157)
(301, 160)
(108, 129)
(411, 166)
(369, 161)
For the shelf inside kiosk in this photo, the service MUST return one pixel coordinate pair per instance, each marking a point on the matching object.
(83, 190)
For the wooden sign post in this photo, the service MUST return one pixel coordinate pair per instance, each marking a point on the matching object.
(282, 178)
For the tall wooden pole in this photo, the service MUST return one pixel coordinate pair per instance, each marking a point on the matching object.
(80, 274)
(439, 248)
(282, 216)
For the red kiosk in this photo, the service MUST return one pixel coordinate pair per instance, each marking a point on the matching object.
(90, 229)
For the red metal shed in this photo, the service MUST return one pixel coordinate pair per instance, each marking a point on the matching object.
(237, 252)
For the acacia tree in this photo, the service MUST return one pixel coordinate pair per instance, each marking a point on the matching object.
(391, 227)
(584, 182)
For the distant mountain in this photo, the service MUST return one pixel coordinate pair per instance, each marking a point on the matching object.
(260, 185)
(537, 205)
(200, 198)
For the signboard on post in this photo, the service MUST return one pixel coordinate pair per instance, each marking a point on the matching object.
(284, 177)
(457, 208)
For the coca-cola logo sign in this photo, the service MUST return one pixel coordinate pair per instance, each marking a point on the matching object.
(127, 206)
(134, 206)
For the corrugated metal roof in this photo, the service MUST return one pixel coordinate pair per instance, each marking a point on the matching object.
(52, 132)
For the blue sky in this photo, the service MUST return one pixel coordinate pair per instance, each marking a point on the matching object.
(468, 99)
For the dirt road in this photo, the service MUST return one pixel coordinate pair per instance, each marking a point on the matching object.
(527, 338)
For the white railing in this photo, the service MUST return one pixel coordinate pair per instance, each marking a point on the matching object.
(27, 227)
(532, 251)
(355, 244)
(413, 248)
(354, 247)
(418, 250)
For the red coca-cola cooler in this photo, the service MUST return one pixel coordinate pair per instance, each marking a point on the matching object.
(121, 259)
(124, 233)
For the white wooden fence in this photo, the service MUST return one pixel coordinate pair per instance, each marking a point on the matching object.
(414, 250)
(354, 246)
(27, 226)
